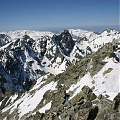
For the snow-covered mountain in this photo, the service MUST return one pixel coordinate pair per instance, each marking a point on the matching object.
(33, 34)
(26, 55)
(55, 68)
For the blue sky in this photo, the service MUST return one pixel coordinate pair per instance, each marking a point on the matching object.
(49, 14)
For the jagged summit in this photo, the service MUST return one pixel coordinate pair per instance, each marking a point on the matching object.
(64, 41)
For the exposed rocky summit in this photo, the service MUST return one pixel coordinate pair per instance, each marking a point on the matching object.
(65, 42)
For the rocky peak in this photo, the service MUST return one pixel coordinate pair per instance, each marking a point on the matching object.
(65, 42)
(4, 39)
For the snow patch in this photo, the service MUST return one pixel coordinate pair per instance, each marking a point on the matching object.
(29, 102)
(46, 107)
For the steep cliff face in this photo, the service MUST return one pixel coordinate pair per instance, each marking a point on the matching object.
(21, 63)
(65, 42)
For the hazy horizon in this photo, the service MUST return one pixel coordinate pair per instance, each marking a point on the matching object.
(59, 29)
(89, 28)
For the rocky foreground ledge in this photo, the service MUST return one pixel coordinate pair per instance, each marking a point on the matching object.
(84, 106)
